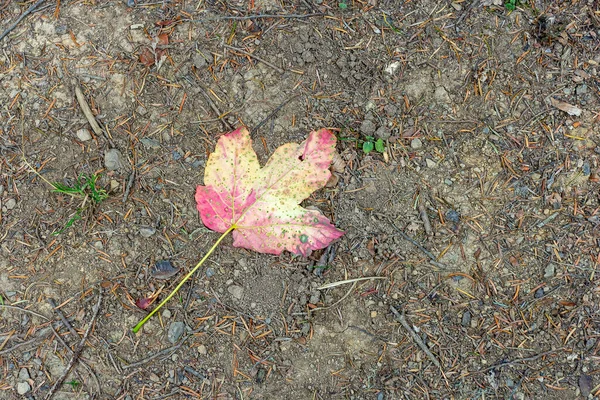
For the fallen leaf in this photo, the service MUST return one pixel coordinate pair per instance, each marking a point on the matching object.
(163, 39)
(262, 204)
(566, 107)
(145, 302)
(147, 57)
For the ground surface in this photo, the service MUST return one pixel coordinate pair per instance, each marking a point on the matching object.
(483, 167)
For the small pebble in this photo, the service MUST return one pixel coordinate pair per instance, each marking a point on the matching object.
(202, 350)
(430, 163)
(24, 374)
(84, 135)
(549, 271)
(581, 89)
(176, 329)
(23, 387)
(539, 293)
(416, 143)
(383, 133)
(466, 319)
(367, 127)
(166, 314)
(147, 231)
(10, 204)
(236, 291)
(163, 269)
(210, 272)
(373, 314)
(150, 143)
(453, 216)
(112, 160)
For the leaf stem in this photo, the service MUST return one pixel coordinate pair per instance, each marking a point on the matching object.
(184, 280)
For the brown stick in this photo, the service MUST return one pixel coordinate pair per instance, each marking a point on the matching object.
(21, 17)
(87, 111)
(77, 352)
(425, 219)
(257, 58)
(62, 317)
(415, 337)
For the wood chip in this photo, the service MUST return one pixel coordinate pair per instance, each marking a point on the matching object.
(566, 107)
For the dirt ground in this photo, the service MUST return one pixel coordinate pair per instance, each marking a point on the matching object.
(480, 218)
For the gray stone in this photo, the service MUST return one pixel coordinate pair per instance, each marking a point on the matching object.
(113, 160)
(24, 374)
(176, 329)
(383, 133)
(236, 291)
(314, 298)
(199, 61)
(466, 319)
(390, 110)
(430, 163)
(416, 143)
(150, 143)
(581, 89)
(10, 204)
(367, 127)
(23, 387)
(202, 350)
(147, 231)
(84, 135)
(549, 271)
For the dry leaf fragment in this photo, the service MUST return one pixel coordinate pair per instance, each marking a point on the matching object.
(262, 204)
(566, 107)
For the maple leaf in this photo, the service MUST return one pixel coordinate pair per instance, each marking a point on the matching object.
(261, 205)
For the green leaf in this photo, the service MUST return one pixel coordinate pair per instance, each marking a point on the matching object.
(368, 147)
(343, 5)
(380, 146)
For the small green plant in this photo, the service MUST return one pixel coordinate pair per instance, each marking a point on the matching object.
(74, 384)
(371, 144)
(343, 5)
(511, 5)
(85, 188)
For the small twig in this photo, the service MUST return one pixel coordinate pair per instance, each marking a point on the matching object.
(129, 185)
(214, 107)
(87, 111)
(415, 337)
(257, 16)
(433, 260)
(43, 333)
(24, 310)
(517, 361)
(337, 302)
(26, 13)
(161, 353)
(338, 283)
(77, 352)
(62, 317)
(264, 121)
(257, 58)
(425, 219)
